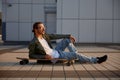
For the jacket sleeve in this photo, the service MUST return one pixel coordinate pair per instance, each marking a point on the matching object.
(58, 36)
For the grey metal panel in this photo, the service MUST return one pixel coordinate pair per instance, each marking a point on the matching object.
(38, 1)
(116, 9)
(38, 13)
(25, 1)
(50, 1)
(87, 31)
(116, 32)
(12, 1)
(70, 8)
(0, 5)
(50, 9)
(4, 12)
(59, 9)
(59, 26)
(104, 31)
(25, 31)
(25, 14)
(104, 9)
(51, 23)
(12, 13)
(87, 9)
(12, 32)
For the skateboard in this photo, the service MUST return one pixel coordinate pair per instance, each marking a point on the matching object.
(24, 61)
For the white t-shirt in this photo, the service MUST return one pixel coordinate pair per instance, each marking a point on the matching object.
(48, 50)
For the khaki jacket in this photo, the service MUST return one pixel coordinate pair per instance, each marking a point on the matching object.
(35, 47)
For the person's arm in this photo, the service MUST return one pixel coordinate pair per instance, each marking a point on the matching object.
(58, 36)
(48, 57)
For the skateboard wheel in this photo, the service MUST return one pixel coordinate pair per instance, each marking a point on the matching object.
(26, 61)
(69, 63)
(38, 61)
(22, 62)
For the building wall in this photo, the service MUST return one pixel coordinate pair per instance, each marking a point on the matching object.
(0, 5)
(0, 16)
(90, 21)
(19, 16)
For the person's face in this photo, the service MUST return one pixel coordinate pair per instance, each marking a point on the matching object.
(41, 29)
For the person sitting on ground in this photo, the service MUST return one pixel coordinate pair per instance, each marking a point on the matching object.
(40, 47)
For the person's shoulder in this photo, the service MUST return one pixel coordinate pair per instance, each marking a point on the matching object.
(34, 40)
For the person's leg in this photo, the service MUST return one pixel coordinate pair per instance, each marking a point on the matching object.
(80, 57)
(65, 43)
(73, 53)
(62, 45)
(72, 48)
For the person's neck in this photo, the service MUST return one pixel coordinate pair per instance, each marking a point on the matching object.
(39, 36)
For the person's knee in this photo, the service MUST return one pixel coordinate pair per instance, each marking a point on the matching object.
(67, 40)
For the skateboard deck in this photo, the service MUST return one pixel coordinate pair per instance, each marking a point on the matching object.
(24, 61)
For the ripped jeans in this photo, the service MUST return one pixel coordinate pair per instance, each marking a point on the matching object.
(72, 54)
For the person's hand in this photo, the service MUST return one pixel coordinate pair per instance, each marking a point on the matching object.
(48, 56)
(72, 39)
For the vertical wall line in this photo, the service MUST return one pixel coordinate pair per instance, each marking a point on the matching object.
(113, 21)
(95, 20)
(5, 24)
(61, 16)
(18, 20)
(31, 17)
(79, 21)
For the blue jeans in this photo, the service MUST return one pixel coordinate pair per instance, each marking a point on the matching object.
(72, 54)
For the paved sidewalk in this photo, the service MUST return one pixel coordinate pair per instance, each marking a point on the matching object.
(10, 69)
